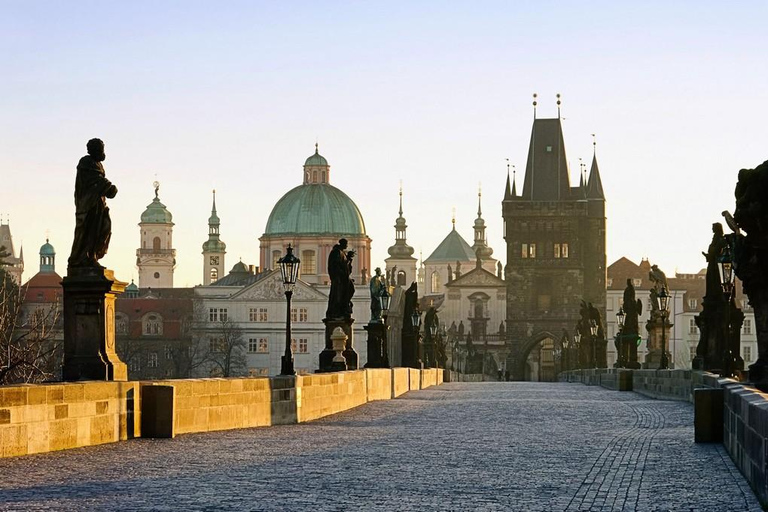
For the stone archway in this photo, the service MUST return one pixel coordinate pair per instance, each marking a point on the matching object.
(523, 369)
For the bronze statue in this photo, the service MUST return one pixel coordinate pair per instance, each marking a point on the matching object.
(659, 280)
(376, 287)
(342, 286)
(714, 290)
(93, 227)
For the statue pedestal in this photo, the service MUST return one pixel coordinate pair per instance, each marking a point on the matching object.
(656, 340)
(378, 356)
(327, 363)
(89, 325)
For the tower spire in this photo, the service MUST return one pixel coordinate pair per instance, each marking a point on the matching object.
(534, 104)
(479, 197)
(401, 199)
(514, 181)
(508, 190)
(453, 218)
(558, 105)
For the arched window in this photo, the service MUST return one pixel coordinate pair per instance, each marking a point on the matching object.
(214, 275)
(152, 325)
(401, 278)
(276, 256)
(436, 282)
(314, 176)
(308, 262)
(156, 243)
(121, 323)
(324, 177)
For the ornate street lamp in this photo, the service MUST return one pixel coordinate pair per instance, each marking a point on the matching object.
(289, 269)
(727, 278)
(384, 298)
(566, 346)
(593, 332)
(416, 319)
(623, 358)
(663, 299)
(433, 336)
(577, 339)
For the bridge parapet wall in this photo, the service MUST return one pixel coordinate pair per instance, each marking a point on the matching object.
(48, 417)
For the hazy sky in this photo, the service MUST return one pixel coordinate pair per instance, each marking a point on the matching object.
(233, 96)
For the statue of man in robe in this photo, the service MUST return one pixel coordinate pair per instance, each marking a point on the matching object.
(93, 227)
(342, 286)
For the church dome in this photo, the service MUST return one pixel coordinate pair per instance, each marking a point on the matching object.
(316, 159)
(315, 209)
(156, 213)
(47, 249)
(239, 268)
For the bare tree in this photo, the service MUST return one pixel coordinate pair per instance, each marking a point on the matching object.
(30, 344)
(226, 349)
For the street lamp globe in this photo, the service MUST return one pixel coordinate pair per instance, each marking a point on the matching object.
(416, 318)
(289, 269)
(663, 299)
(725, 267)
(620, 317)
(577, 337)
(384, 298)
(433, 328)
(593, 327)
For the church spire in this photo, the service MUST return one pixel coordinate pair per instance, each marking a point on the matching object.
(595, 184)
(214, 249)
(480, 247)
(401, 249)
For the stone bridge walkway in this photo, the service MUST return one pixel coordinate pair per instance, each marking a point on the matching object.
(482, 446)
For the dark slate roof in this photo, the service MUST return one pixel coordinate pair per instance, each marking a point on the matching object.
(546, 172)
(452, 248)
(238, 278)
(595, 184)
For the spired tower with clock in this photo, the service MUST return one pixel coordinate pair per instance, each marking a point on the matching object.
(213, 249)
(156, 257)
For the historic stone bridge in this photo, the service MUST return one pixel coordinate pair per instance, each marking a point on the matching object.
(458, 446)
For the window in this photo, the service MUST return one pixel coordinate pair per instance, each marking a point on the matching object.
(217, 314)
(300, 346)
(744, 304)
(436, 281)
(557, 251)
(261, 315)
(528, 251)
(216, 345)
(637, 282)
(747, 354)
(693, 303)
(253, 344)
(276, 256)
(564, 251)
(156, 243)
(135, 364)
(214, 275)
(298, 314)
(401, 278)
(308, 262)
(692, 328)
(258, 346)
(152, 360)
(121, 324)
(258, 372)
(747, 327)
(168, 353)
(252, 314)
(152, 325)
(549, 149)
(263, 347)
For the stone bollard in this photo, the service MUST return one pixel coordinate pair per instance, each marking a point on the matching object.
(708, 415)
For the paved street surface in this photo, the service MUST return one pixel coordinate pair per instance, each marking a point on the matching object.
(483, 446)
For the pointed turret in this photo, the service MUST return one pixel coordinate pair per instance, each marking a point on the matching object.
(482, 251)
(401, 258)
(546, 172)
(214, 249)
(595, 184)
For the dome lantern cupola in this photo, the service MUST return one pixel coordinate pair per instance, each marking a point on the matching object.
(316, 169)
(480, 247)
(47, 258)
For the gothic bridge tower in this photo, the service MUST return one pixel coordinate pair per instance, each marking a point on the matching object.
(555, 237)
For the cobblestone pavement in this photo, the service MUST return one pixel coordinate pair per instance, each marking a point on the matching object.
(482, 446)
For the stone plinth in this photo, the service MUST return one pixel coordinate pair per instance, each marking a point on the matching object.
(655, 341)
(327, 355)
(89, 325)
(378, 356)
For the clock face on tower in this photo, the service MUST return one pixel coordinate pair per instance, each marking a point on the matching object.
(214, 260)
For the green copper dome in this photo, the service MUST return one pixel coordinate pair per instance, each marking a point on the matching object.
(47, 249)
(316, 159)
(315, 209)
(156, 213)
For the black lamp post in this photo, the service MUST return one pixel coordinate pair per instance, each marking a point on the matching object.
(289, 269)
(577, 339)
(727, 278)
(663, 298)
(593, 332)
(623, 353)
(384, 299)
(416, 323)
(566, 348)
(433, 335)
